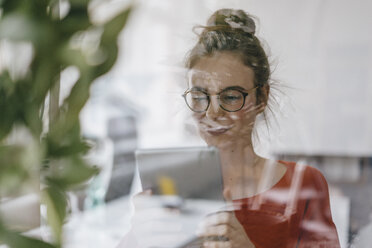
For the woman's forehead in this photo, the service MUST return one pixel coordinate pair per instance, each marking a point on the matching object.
(221, 70)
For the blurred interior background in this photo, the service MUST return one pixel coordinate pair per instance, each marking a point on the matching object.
(321, 54)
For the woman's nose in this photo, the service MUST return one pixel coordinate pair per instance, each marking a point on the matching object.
(214, 109)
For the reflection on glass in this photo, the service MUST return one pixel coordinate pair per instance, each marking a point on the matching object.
(267, 203)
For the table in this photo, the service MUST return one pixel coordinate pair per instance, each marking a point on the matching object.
(105, 226)
(114, 219)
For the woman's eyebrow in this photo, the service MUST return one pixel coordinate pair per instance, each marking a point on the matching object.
(234, 88)
(199, 88)
(227, 88)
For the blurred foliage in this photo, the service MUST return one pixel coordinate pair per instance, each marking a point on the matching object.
(43, 39)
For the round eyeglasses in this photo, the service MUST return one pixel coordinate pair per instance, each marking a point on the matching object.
(231, 99)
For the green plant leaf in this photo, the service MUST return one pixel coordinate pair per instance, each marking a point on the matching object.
(74, 57)
(109, 41)
(76, 20)
(70, 172)
(28, 29)
(9, 5)
(6, 123)
(44, 74)
(79, 2)
(55, 201)
(17, 240)
(19, 166)
(12, 172)
(64, 141)
(68, 119)
(32, 119)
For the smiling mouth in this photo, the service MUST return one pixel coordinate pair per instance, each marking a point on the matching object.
(217, 130)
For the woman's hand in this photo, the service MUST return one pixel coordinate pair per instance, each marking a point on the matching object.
(223, 230)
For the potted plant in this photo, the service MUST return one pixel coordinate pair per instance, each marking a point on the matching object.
(40, 138)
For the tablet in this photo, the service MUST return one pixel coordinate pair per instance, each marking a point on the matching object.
(192, 172)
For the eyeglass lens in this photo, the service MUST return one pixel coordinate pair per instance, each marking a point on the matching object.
(230, 100)
(198, 101)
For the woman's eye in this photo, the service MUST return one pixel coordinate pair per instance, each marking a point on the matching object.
(197, 98)
(231, 98)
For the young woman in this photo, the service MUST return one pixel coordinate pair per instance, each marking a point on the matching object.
(276, 203)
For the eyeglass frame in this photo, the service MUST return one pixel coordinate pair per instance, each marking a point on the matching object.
(244, 93)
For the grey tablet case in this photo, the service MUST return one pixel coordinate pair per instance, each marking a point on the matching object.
(195, 171)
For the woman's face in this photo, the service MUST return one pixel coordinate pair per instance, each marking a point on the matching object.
(217, 126)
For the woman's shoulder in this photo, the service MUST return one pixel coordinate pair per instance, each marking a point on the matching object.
(301, 167)
(308, 174)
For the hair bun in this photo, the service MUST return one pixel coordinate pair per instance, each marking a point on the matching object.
(234, 19)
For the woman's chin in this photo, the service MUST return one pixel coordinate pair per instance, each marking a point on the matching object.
(219, 141)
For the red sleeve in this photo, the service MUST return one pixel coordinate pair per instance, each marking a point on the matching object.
(317, 229)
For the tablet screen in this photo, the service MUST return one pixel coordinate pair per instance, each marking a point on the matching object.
(192, 172)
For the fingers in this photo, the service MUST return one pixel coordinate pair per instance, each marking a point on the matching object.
(217, 244)
(146, 192)
(248, 114)
(222, 229)
(217, 231)
(220, 224)
(219, 218)
(141, 196)
(253, 108)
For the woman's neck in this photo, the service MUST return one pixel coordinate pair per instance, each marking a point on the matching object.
(241, 170)
(239, 160)
(237, 154)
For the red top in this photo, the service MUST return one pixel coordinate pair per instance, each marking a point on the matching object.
(295, 212)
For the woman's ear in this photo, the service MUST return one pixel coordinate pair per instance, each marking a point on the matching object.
(263, 94)
(263, 97)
